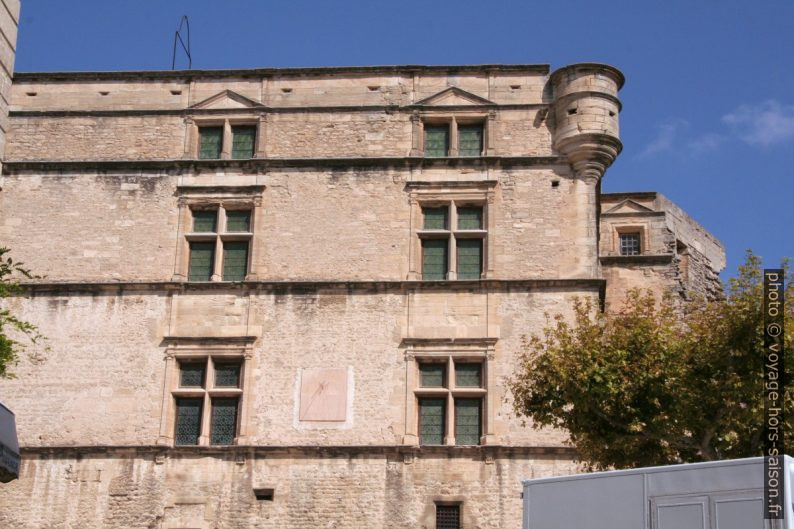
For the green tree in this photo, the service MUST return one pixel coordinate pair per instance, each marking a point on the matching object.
(655, 382)
(12, 327)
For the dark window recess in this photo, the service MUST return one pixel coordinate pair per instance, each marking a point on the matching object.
(469, 258)
(468, 375)
(243, 139)
(469, 140)
(447, 516)
(435, 218)
(467, 421)
(629, 244)
(238, 221)
(223, 423)
(431, 421)
(227, 375)
(188, 421)
(437, 140)
(202, 255)
(191, 375)
(210, 142)
(205, 221)
(264, 494)
(432, 375)
(434, 259)
(235, 260)
(469, 218)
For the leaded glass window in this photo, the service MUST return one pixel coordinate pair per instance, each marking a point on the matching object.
(469, 140)
(204, 221)
(467, 421)
(434, 259)
(469, 218)
(202, 256)
(188, 421)
(432, 375)
(431, 421)
(227, 375)
(469, 258)
(238, 220)
(243, 138)
(191, 375)
(468, 375)
(235, 260)
(437, 140)
(210, 142)
(435, 218)
(447, 516)
(223, 423)
(629, 244)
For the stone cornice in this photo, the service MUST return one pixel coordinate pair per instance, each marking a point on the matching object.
(236, 452)
(263, 164)
(304, 287)
(633, 214)
(623, 260)
(190, 75)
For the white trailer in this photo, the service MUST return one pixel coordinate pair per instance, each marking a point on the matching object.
(9, 447)
(713, 495)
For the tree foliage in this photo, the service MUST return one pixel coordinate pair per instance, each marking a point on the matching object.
(655, 382)
(12, 327)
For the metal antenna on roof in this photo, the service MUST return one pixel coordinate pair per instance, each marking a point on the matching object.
(178, 37)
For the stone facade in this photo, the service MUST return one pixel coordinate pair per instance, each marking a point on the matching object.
(334, 321)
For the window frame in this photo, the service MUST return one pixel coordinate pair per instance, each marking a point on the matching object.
(191, 351)
(449, 353)
(453, 120)
(633, 229)
(227, 124)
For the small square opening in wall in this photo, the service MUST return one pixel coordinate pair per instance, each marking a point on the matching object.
(264, 494)
(447, 516)
(555, 183)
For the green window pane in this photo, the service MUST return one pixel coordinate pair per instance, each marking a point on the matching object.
(238, 221)
(435, 218)
(470, 218)
(434, 259)
(243, 142)
(469, 258)
(204, 220)
(235, 260)
(437, 140)
(223, 423)
(432, 375)
(431, 421)
(202, 255)
(188, 421)
(227, 375)
(469, 140)
(468, 375)
(191, 375)
(467, 421)
(210, 142)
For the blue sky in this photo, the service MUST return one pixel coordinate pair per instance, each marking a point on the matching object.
(708, 116)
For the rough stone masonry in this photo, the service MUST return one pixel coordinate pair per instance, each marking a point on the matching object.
(287, 298)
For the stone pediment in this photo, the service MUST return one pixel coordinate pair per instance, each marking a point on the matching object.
(454, 96)
(628, 206)
(226, 100)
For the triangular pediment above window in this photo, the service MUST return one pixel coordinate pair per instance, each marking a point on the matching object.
(226, 99)
(628, 206)
(454, 96)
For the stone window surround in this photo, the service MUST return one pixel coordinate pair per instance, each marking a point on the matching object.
(430, 194)
(187, 349)
(639, 229)
(452, 118)
(479, 350)
(227, 121)
(221, 201)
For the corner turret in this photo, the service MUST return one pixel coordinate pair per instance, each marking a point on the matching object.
(586, 108)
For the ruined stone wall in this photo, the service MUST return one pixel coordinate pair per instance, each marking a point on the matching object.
(355, 489)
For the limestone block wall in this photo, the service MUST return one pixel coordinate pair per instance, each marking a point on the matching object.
(355, 489)
(9, 20)
(345, 224)
(112, 342)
